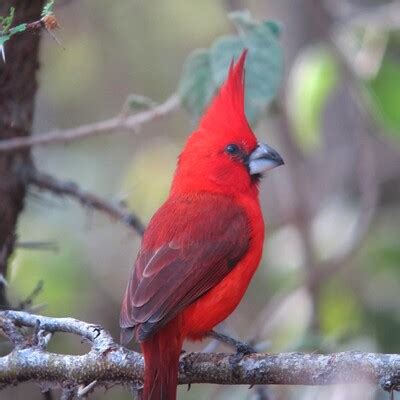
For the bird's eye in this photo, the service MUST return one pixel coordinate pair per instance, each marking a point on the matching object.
(232, 149)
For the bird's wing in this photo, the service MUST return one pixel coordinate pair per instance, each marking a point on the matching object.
(205, 242)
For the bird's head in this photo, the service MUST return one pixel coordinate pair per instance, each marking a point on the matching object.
(223, 154)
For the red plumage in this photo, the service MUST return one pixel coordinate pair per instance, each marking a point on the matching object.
(202, 246)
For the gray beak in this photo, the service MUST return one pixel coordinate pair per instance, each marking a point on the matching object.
(263, 158)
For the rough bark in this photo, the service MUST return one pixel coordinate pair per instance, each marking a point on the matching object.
(109, 363)
(17, 91)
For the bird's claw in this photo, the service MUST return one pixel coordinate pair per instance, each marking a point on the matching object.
(245, 348)
(242, 348)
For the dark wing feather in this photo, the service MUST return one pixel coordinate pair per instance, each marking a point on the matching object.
(181, 259)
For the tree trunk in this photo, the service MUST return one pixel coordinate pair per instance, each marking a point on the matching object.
(17, 91)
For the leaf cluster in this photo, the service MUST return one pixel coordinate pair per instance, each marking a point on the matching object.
(205, 69)
(6, 31)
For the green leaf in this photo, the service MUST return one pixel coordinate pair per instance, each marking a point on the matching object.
(8, 20)
(3, 39)
(196, 87)
(313, 78)
(205, 70)
(17, 29)
(264, 64)
(48, 8)
(222, 52)
(12, 31)
(385, 91)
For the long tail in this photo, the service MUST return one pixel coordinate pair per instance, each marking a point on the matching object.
(161, 358)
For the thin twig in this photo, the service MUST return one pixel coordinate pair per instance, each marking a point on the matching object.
(112, 125)
(25, 304)
(85, 390)
(87, 199)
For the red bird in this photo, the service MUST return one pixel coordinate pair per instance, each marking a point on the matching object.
(204, 244)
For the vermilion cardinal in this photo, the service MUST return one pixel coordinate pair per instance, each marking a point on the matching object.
(204, 244)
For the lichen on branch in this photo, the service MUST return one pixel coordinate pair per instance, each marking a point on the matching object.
(109, 363)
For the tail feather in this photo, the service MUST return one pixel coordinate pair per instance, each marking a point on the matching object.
(161, 358)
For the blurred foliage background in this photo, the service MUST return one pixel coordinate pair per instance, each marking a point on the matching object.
(330, 276)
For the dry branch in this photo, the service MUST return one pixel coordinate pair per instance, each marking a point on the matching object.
(108, 362)
(112, 125)
(87, 199)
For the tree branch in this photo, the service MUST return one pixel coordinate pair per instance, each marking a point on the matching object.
(112, 125)
(71, 189)
(108, 362)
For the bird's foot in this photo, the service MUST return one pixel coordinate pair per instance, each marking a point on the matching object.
(245, 348)
(242, 348)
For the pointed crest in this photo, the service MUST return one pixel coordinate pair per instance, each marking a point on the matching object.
(226, 113)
